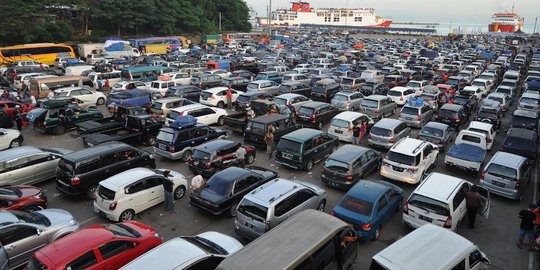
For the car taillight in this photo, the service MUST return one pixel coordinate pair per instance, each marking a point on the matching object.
(209, 165)
(418, 137)
(488, 140)
(406, 209)
(113, 205)
(181, 114)
(366, 227)
(349, 178)
(412, 170)
(267, 226)
(419, 118)
(331, 212)
(171, 149)
(517, 184)
(483, 174)
(448, 222)
(401, 99)
(312, 117)
(75, 181)
(391, 139)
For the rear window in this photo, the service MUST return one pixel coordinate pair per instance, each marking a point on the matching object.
(336, 165)
(217, 185)
(347, 81)
(430, 204)
(253, 210)
(255, 127)
(289, 146)
(319, 89)
(394, 93)
(253, 86)
(165, 136)
(381, 132)
(243, 99)
(340, 97)
(447, 113)
(470, 138)
(369, 103)
(409, 110)
(280, 101)
(306, 111)
(502, 171)
(66, 166)
(106, 193)
(414, 84)
(429, 131)
(195, 79)
(403, 159)
(155, 85)
(198, 154)
(516, 142)
(157, 105)
(173, 114)
(530, 101)
(356, 205)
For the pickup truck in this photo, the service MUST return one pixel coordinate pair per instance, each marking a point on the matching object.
(237, 121)
(138, 129)
(468, 152)
(115, 121)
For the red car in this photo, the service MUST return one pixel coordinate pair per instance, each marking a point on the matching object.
(9, 107)
(22, 198)
(97, 247)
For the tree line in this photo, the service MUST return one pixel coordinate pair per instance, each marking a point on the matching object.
(27, 21)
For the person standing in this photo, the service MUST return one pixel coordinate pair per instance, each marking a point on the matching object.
(363, 129)
(526, 227)
(50, 95)
(229, 98)
(168, 192)
(269, 139)
(18, 117)
(241, 155)
(355, 134)
(473, 201)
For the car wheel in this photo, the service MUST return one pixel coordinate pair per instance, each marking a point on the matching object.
(394, 111)
(100, 101)
(377, 234)
(221, 104)
(186, 156)
(319, 125)
(309, 165)
(250, 159)
(179, 192)
(15, 143)
(220, 121)
(150, 141)
(126, 215)
(32, 208)
(91, 192)
(232, 211)
(59, 130)
(321, 206)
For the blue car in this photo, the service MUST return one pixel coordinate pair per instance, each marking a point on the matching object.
(369, 205)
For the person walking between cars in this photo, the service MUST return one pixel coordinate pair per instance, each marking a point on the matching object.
(229, 98)
(526, 227)
(241, 155)
(18, 117)
(356, 134)
(168, 192)
(269, 139)
(473, 200)
(363, 130)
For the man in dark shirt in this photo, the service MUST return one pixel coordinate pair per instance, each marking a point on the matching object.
(168, 190)
(473, 200)
(356, 134)
(527, 226)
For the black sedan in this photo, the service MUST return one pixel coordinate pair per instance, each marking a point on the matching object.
(225, 189)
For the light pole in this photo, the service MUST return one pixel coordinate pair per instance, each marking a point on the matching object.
(269, 18)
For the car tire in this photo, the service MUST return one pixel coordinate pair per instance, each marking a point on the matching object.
(126, 215)
(319, 125)
(100, 101)
(31, 208)
(220, 104)
(186, 156)
(220, 121)
(250, 159)
(321, 206)
(151, 141)
(15, 143)
(377, 234)
(232, 210)
(309, 165)
(91, 192)
(179, 192)
(59, 130)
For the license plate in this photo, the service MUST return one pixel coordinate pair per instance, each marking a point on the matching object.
(396, 168)
(338, 131)
(497, 183)
(162, 146)
(287, 156)
(195, 163)
(424, 218)
(409, 118)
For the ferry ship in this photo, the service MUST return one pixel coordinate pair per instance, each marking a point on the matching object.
(506, 22)
(301, 13)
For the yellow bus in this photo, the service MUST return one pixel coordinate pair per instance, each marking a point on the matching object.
(41, 52)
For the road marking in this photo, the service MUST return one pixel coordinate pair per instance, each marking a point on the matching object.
(89, 220)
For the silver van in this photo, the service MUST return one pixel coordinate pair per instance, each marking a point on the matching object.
(416, 116)
(378, 106)
(26, 165)
(507, 175)
(274, 202)
(529, 101)
(347, 100)
(387, 132)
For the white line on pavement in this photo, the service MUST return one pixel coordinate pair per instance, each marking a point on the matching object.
(89, 220)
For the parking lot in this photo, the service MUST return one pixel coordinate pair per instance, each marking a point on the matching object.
(496, 236)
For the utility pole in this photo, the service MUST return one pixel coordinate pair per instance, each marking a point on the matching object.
(220, 22)
(269, 18)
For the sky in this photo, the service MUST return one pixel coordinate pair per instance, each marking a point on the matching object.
(423, 10)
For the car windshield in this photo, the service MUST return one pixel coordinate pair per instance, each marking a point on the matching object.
(165, 136)
(476, 83)
(347, 81)
(414, 84)
(339, 123)
(389, 79)
(198, 154)
(34, 218)
(429, 204)
(498, 99)
(340, 97)
(122, 230)
(369, 103)
(243, 99)
(452, 81)
(336, 165)
(253, 210)
(284, 88)
(401, 158)
(433, 132)
(484, 113)
(356, 205)
(510, 84)
(319, 89)
(61, 94)
(461, 100)
(484, 77)
(381, 132)
(218, 185)
(516, 142)
(155, 85)
(504, 91)
(255, 127)
(502, 171)
(394, 93)
(289, 146)
(280, 102)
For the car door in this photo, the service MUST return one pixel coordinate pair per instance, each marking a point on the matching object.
(208, 116)
(155, 191)
(459, 208)
(87, 96)
(16, 172)
(137, 197)
(370, 162)
(21, 241)
(117, 253)
(485, 204)
(381, 215)
(43, 166)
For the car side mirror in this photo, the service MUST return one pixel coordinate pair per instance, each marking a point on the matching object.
(2, 133)
(38, 232)
(486, 261)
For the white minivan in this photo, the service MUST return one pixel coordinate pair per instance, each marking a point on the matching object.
(430, 247)
(342, 124)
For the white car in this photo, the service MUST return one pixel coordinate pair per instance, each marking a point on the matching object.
(10, 138)
(160, 86)
(486, 129)
(400, 94)
(483, 84)
(81, 93)
(418, 86)
(217, 96)
(30, 63)
(180, 78)
(472, 90)
(125, 85)
(220, 72)
(204, 114)
(123, 195)
(409, 159)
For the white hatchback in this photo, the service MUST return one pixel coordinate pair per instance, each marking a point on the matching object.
(401, 94)
(123, 195)
(204, 114)
(342, 124)
(217, 96)
(409, 159)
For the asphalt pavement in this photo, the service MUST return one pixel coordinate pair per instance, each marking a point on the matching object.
(496, 236)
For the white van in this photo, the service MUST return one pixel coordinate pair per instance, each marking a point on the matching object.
(430, 247)
(113, 77)
(342, 124)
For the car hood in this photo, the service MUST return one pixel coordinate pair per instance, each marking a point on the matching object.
(59, 217)
(228, 243)
(28, 191)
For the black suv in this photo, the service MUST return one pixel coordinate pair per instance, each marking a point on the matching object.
(256, 128)
(469, 102)
(525, 119)
(211, 157)
(374, 88)
(453, 115)
(177, 143)
(490, 115)
(236, 83)
(79, 173)
(316, 114)
(302, 148)
(324, 90)
(225, 189)
(192, 93)
(521, 142)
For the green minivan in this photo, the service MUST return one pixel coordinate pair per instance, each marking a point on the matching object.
(304, 147)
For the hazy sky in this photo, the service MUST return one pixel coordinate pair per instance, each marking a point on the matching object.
(423, 10)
